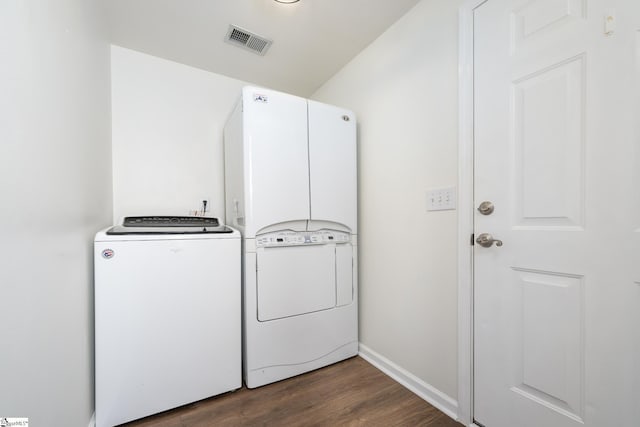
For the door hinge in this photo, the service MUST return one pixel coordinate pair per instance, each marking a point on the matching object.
(472, 241)
(477, 423)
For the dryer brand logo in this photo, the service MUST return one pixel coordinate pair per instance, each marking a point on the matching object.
(108, 253)
(260, 98)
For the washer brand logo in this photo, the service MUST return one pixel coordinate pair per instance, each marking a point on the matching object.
(108, 253)
(260, 98)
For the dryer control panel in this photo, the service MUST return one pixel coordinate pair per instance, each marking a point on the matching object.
(295, 238)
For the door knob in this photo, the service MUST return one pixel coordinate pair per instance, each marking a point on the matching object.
(486, 208)
(486, 240)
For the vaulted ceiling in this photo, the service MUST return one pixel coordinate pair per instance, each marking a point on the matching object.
(312, 39)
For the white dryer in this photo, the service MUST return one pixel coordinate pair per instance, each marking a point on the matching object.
(300, 303)
(290, 177)
(167, 315)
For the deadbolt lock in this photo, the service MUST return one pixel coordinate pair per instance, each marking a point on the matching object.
(486, 208)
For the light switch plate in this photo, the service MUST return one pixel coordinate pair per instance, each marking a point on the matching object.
(441, 199)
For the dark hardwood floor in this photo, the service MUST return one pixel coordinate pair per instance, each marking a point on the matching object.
(349, 393)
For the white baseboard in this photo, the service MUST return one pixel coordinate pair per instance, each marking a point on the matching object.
(425, 391)
(92, 421)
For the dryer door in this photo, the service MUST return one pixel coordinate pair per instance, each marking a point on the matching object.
(294, 280)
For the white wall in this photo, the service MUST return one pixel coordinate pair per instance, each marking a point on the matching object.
(55, 193)
(403, 88)
(167, 135)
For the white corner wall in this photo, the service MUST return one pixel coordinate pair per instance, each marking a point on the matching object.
(167, 135)
(55, 187)
(403, 88)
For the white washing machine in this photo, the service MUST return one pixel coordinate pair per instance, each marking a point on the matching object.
(167, 315)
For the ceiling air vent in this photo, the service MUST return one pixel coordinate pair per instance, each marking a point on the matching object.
(248, 40)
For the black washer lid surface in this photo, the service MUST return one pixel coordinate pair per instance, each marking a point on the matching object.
(169, 225)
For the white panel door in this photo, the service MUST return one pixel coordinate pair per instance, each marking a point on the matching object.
(556, 339)
(333, 164)
(276, 158)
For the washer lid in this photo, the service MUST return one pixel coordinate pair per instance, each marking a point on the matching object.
(169, 225)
